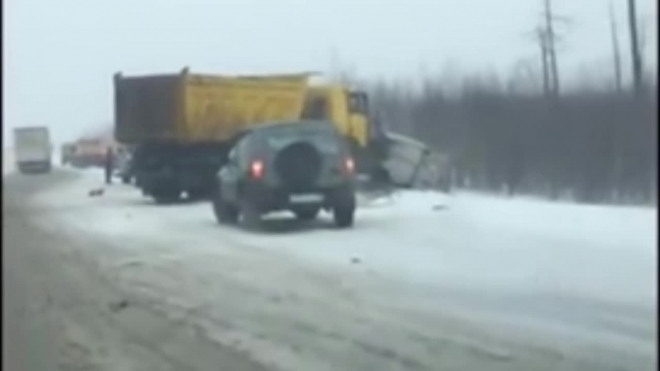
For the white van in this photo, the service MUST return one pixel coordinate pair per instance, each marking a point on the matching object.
(33, 149)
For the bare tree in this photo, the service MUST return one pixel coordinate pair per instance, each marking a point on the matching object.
(616, 54)
(634, 48)
(643, 36)
(547, 38)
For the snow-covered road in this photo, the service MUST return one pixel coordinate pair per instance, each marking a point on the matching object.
(423, 281)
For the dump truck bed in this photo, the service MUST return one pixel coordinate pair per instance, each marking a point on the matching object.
(188, 108)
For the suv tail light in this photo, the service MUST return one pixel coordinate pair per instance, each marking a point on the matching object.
(349, 165)
(257, 169)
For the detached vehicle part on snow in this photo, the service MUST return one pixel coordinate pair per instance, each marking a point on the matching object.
(301, 166)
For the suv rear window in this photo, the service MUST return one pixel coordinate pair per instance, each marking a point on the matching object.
(326, 140)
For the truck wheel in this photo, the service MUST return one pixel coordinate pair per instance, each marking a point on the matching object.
(344, 209)
(307, 213)
(166, 196)
(198, 194)
(224, 212)
(344, 217)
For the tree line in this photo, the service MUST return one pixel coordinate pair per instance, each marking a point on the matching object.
(592, 146)
(588, 144)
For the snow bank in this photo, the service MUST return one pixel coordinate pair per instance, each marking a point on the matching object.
(614, 226)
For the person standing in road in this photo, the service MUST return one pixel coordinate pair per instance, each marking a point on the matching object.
(109, 162)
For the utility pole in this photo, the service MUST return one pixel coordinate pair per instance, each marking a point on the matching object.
(543, 44)
(616, 53)
(634, 49)
(551, 48)
(545, 34)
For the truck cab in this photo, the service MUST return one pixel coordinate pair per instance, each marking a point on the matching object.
(387, 158)
(349, 110)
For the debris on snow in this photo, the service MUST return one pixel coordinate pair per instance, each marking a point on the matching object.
(131, 263)
(117, 306)
(96, 192)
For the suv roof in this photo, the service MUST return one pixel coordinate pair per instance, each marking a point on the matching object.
(282, 124)
(321, 124)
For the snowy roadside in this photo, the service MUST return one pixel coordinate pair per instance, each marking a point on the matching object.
(414, 234)
(9, 160)
(412, 259)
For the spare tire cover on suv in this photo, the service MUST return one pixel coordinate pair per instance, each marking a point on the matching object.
(298, 165)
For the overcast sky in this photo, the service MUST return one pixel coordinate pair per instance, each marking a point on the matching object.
(59, 55)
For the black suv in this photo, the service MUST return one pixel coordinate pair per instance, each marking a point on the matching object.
(301, 166)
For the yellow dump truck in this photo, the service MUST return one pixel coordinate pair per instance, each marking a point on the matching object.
(182, 125)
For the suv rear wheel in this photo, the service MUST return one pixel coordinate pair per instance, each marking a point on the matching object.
(344, 209)
(224, 212)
